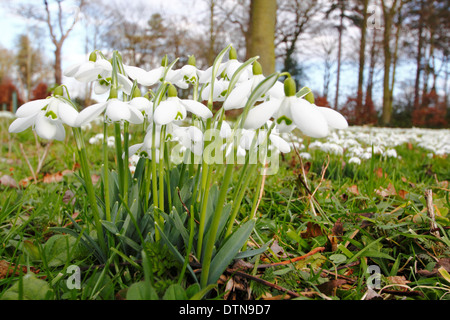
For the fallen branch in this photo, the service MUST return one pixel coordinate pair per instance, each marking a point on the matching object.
(430, 211)
(312, 252)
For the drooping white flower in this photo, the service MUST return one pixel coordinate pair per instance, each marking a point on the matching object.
(99, 71)
(292, 111)
(240, 94)
(190, 137)
(355, 160)
(114, 110)
(175, 108)
(151, 77)
(46, 117)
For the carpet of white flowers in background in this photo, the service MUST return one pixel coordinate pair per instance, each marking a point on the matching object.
(355, 142)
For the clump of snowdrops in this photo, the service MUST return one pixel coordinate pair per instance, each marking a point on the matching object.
(181, 191)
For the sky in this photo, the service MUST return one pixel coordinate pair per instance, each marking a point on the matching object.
(74, 51)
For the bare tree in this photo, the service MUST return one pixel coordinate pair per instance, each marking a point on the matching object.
(59, 20)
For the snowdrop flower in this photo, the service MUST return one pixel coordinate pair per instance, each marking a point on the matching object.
(227, 69)
(305, 155)
(391, 153)
(355, 160)
(240, 94)
(144, 105)
(149, 78)
(291, 112)
(46, 117)
(144, 149)
(115, 111)
(99, 71)
(175, 108)
(219, 90)
(190, 137)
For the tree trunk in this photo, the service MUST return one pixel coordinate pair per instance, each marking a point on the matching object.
(338, 75)
(58, 72)
(388, 14)
(263, 15)
(362, 49)
(419, 65)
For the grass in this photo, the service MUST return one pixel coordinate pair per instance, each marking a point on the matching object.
(327, 229)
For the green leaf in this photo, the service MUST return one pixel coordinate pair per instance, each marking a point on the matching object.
(338, 258)
(33, 289)
(307, 94)
(175, 252)
(256, 94)
(141, 291)
(238, 73)
(175, 292)
(200, 294)
(59, 249)
(229, 250)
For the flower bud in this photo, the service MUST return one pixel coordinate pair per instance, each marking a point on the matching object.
(192, 61)
(172, 91)
(257, 68)
(93, 56)
(289, 87)
(59, 91)
(136, 93)
(113, 93)
(232, 54)
(164, 61)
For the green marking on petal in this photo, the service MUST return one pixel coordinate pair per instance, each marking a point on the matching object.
(285, 119)
(179, 116)
(51, 114)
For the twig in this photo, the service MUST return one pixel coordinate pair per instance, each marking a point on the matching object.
(430, 211)
(312, 252)
(262, 281)
(28, 162)
(185, 207)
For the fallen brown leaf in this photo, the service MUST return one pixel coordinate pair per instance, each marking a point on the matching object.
(8, 181)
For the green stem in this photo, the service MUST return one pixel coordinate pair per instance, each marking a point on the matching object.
(119, 160)
(161, 169)
(89, 186)
(207, 257)
(106, 173)
(204, 205)
(126, 170)
(238, 198)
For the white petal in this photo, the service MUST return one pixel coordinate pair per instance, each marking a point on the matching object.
(72, 70)
(32, 107)
(258, 116)
(100, 88)
(308, 118)
(142, 104)
(195, 134)
(89, 113)
(280, 143)
(334, 119)
(88, 72)
(136, 116)
(125, 83)
(21, 124)
(117, 110)
(67, 113)
(134, 148)
(238, 96)
(104, 64)
(225, 130)
(196, 108)
(166, 112)
(46, 128)
(151, 77)
(135, 72)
